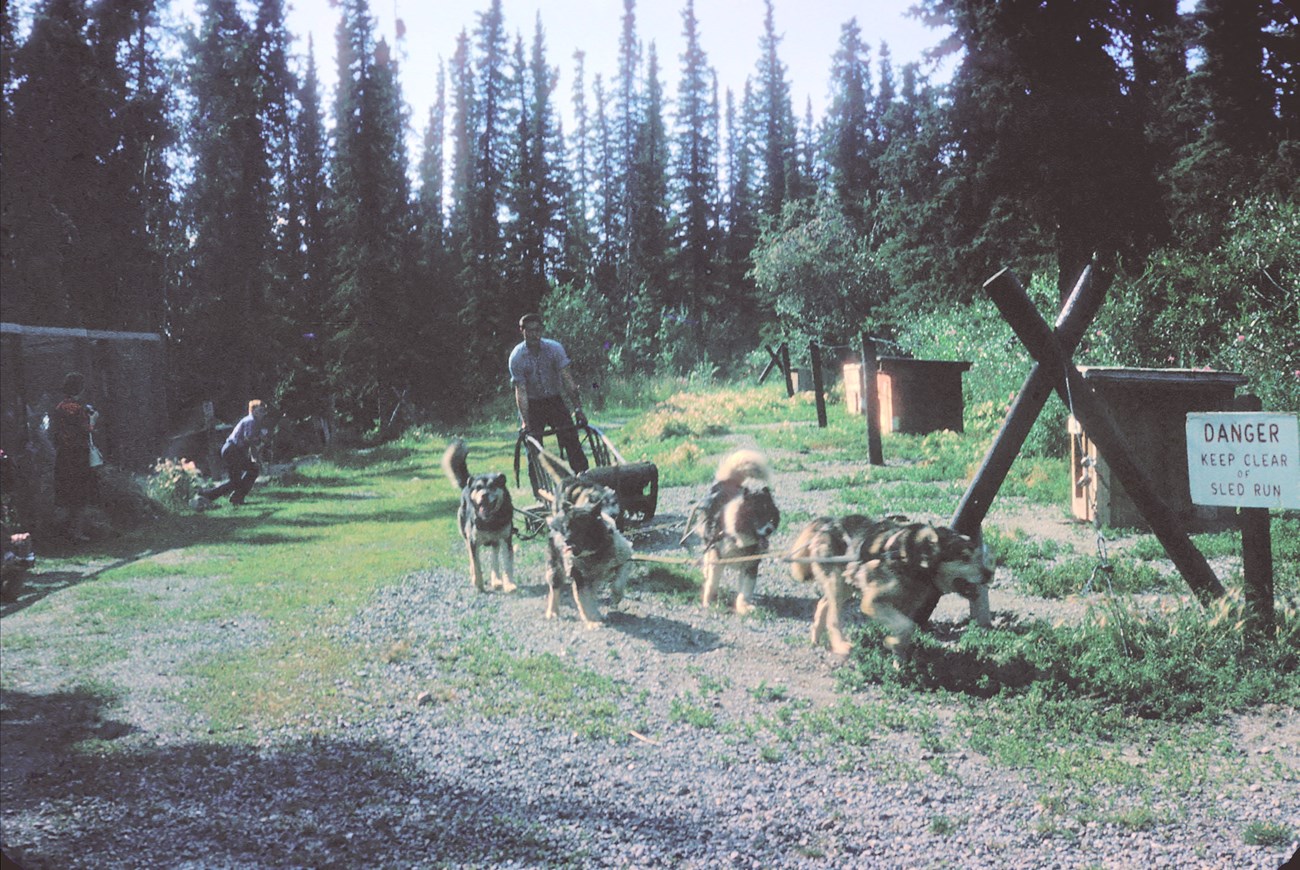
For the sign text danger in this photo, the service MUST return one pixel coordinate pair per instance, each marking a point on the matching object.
(1243, 459)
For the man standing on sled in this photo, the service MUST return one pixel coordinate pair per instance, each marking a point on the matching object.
(539, 371)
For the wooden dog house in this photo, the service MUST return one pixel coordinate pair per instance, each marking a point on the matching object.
(916, 395)
(1150, 407)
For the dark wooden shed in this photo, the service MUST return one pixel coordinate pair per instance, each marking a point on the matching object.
(1150, 407)
(916, 395)
(125, 381)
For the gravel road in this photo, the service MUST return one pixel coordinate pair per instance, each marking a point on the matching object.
(694, 771)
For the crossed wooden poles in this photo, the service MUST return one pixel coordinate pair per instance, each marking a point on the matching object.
(1053, 370)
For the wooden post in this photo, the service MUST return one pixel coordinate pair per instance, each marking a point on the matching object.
(871, 398)
(771, 364)
(819, 389)
(785, 367)
(1077, 312)
(1036, 335)
(1256, 557)
(1257, 573)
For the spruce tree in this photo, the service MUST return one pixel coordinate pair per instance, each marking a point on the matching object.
(647, 202)
(774, 118)
(223, 287)
(376, 356)
(579, 239)
(304, 390)
(85, 180)
(847, 130)
(695, 179)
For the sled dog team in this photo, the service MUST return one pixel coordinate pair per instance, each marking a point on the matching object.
(892, 564)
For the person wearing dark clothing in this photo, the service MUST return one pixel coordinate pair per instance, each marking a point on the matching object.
(539, 371)
(74, 480)
(239, 456)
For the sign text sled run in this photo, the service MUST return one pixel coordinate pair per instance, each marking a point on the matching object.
(1247, 459)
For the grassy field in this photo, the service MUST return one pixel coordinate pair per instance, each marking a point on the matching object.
(317, 544)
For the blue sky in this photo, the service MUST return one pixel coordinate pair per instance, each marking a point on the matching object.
(729, 33)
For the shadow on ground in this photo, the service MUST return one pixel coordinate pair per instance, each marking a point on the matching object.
(312, 803)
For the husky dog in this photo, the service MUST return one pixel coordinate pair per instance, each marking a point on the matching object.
(736, 518)
(485, 517)
(575, 490)
(895, 565)
(586, 549)
(820, 553)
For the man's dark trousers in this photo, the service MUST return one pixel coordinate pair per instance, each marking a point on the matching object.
(242, 470)
(551, 411)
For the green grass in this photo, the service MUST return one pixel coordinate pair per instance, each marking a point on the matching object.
(691, 709)
(1266, 834)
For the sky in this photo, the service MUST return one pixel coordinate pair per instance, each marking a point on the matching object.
(729, 32)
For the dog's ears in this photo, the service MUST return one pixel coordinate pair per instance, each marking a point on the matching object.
(499, 480)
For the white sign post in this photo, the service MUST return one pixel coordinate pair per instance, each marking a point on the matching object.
(1249, 460)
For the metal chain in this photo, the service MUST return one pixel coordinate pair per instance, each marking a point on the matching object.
(1091, 481)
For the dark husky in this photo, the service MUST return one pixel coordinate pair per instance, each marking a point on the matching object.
(736, 518)
(586, 549)
(485, 517)
(895, 565)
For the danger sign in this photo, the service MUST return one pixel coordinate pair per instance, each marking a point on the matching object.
(1244, 459)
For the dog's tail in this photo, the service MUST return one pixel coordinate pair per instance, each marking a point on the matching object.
(742, 465)
(555, 467)
(802, 549)
(455, 464)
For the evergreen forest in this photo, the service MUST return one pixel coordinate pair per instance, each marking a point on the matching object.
(195, 180)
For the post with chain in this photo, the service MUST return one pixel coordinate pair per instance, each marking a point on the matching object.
(1018, 310)
(1078, 311)
(1082, 305)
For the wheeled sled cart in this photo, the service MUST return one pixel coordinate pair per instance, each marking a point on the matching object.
(636, 483)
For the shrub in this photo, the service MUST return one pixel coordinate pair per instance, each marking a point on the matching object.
(174, 482)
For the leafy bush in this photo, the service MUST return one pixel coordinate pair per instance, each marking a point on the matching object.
(577, 317)
(817, 275)
(1235, 307)
(174, 482)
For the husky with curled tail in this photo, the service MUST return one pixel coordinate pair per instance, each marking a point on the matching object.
(735, 520)
(485, 518)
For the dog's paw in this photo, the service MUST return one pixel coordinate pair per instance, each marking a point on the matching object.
(503, 584)
(841, 648)
(743, 607)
